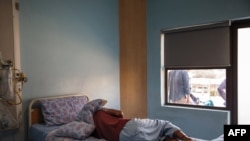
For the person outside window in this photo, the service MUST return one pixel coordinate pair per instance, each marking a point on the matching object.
(179, 87)
(222, 90)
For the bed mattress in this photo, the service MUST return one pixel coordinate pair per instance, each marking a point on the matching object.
(38, 132)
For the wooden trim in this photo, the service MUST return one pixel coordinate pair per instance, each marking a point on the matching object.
(133, 58)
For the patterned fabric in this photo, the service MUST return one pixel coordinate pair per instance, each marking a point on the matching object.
(87, 111)
(79, 101)
(60, 111)
(75, 129)
(50, 137)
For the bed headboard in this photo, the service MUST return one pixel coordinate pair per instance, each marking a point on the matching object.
(35, 113)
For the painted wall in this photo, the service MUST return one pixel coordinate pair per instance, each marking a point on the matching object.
(68, 47)
(73, 46)
(169, 14)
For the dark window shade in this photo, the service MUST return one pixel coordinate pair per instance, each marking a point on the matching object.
(203, 46)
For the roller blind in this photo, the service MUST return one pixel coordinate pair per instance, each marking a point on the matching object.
(197, 46)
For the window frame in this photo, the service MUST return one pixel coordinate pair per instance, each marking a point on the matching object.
(236, 24)
(231, 73)
(227, 67)
(166, 99)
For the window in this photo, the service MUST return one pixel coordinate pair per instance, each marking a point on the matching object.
(240, 55)
(209, 54)
(243, 75)
(201, 56)
(202, 84)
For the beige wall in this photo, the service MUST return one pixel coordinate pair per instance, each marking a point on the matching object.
(10, 47)
(6, 30)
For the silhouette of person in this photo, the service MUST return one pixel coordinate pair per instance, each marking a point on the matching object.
(179, 87)
(222, 90)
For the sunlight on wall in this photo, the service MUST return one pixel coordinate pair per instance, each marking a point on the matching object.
(162, 71)
(243, 76)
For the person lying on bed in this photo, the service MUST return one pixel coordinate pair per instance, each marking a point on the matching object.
(111, 125)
